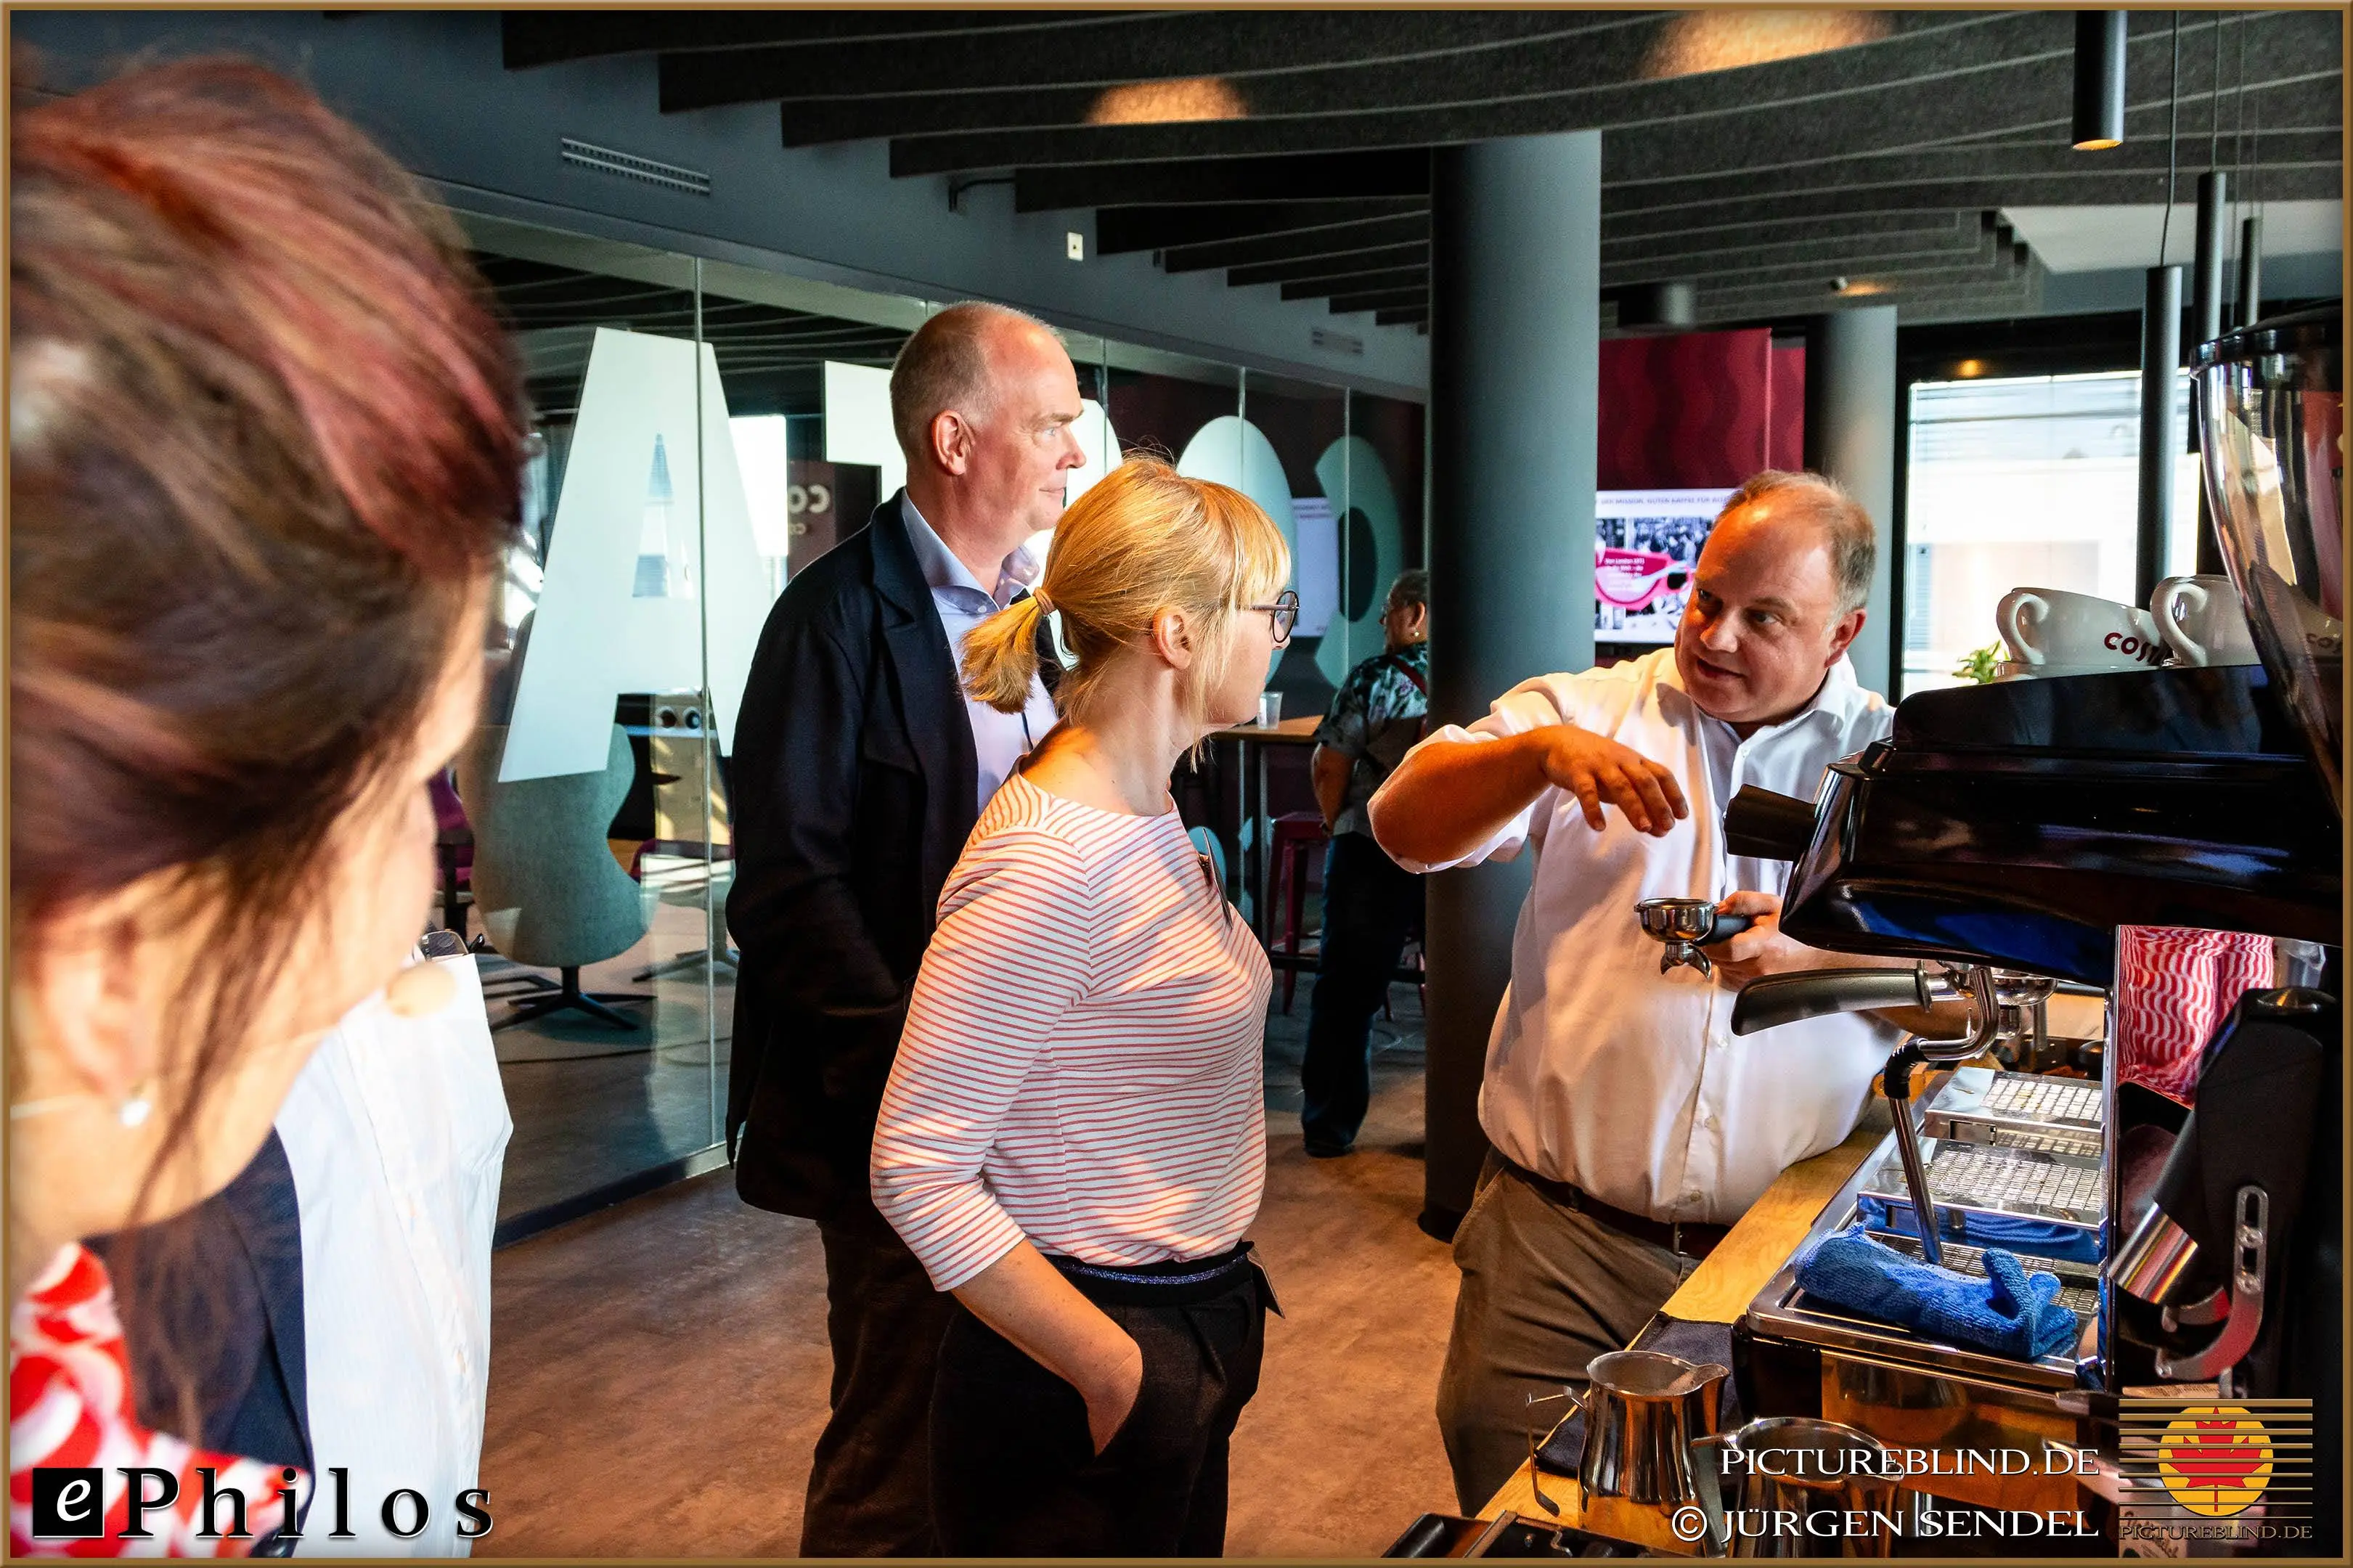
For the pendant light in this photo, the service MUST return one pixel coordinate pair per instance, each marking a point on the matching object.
(2099, 121)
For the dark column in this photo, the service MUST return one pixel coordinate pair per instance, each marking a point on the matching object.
(2160, 440)
(1851, 436)
(1514, 364)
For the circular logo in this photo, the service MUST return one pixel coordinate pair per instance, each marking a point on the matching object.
(2215, 1459)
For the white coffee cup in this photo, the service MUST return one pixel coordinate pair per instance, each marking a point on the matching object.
(2201, 621)
(2051, 625)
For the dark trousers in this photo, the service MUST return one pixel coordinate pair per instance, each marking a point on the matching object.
(1371, 905)
(1014, 1470)
(869, 1488)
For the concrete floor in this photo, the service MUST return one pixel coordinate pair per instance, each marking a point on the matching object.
(660, 1368)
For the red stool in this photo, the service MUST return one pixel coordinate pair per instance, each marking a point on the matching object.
(1297, 835)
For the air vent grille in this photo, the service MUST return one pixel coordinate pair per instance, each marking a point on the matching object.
(1336, 343)
(629, 167)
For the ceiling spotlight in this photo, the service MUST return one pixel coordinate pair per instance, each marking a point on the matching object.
(1191, 100)
(1838, 285)
(1968, 368)
(1699, 41)
(2099, 120)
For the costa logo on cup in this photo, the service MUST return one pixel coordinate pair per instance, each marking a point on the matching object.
(2050, 631)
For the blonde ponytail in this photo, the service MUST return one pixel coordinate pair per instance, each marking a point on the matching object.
(1000, 656)
(1142, 540)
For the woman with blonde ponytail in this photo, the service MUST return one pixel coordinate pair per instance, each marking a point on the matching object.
(1073, 1138)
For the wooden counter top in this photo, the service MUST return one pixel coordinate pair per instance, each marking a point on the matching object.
(1718, 1291)
(1753, 1251)
(1298, 731)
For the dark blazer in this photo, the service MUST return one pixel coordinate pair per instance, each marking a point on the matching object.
(212, 1302)
(854, 781)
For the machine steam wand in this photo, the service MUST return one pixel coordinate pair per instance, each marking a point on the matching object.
(1786, 998)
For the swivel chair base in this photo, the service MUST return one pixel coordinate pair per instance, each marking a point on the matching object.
(569, 997)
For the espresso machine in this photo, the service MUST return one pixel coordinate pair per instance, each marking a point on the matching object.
(2000, 838)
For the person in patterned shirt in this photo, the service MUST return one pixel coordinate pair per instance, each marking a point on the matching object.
(1370, 903)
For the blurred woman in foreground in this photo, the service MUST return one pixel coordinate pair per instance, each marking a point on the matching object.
(264, 454)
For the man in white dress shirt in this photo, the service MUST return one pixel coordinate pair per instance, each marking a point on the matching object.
(1628, 1126)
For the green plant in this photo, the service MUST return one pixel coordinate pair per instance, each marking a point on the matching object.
(1980, 664)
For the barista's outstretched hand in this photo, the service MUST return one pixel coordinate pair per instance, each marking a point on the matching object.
(1598, 771)
(1761, 950)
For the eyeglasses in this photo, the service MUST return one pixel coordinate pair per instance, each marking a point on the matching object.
(1285, 614)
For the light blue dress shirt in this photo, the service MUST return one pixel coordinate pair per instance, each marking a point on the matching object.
(999, 741)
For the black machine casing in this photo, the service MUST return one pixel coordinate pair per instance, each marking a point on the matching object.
(2020, 824)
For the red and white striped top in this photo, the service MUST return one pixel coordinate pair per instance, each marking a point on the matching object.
(1081, 1064)
(69, 1404)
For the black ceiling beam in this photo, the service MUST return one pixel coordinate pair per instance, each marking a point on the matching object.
(1985, 103)
(1379, 282)
(1140, 46)
(1319, 87)
(1120, 229)
(1402, 316)
(1380, 299)
(1711, 225)
(1329, 239)
(1730, 268)
(1986, 258)
(1921, 271)
(1317, 177)
(1954, 231)
(1959, 81)
(1962, 227)
(1934, 177)
(1572, 48)
(1780, 300)
(1566, 85)
(531, 38)
(1330, 265)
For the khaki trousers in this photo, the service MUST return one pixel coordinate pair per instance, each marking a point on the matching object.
(1544, 1289)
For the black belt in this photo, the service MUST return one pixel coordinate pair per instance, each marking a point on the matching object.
(1686, 1241)
(1179, 1282)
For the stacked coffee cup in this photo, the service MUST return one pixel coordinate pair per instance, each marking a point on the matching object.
(2189, 620)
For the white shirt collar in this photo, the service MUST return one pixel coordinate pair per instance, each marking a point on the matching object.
(1841, 696)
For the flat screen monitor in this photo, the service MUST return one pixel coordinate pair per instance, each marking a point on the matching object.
(1645, 543)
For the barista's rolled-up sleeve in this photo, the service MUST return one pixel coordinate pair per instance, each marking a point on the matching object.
(1530, 705)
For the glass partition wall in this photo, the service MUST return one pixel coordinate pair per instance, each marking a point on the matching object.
(702, 431)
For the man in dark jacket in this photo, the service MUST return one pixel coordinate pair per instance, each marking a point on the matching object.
(858, 770)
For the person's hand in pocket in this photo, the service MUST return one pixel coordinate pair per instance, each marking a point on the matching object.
(1112, 1398)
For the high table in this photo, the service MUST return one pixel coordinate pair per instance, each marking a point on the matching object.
(1250, 741)
(1718, 1291)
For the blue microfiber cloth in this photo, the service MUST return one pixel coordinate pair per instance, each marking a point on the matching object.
(1983, 1228)
(2008, 1312)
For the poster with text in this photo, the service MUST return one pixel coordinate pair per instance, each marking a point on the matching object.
(1644, 546)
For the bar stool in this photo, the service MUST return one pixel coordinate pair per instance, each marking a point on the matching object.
(1297, 835)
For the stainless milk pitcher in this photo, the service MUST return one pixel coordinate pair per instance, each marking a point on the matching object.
(1792, 1486)
(1642, 1413)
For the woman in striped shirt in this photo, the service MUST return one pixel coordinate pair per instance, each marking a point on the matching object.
(1073, 1137)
